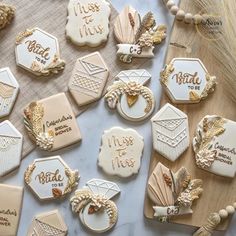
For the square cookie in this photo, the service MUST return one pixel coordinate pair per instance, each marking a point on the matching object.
(51, 123)
(10, 209)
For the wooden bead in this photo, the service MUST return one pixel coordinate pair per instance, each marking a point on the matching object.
(188, 18)
(230, 210)
(197, 19)
(223, 214)
(174, 10)
(180, 15)
(170, 4)
(234, 205)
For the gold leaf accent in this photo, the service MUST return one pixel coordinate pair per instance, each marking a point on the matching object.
(56, 192)
(210, 86)
(7, 13)
(73, 178)
(131, 99)
(28, 172)
(148, 21)
(159, 35)
(23, 35)
(193, 96)
(165, 73)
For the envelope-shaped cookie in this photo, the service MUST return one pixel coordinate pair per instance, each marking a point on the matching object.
(9, 88)
(11, 142)
(48, 224)
(88, 78)
(170, 132)
(51, 123)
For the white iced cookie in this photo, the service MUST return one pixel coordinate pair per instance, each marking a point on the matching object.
(170, 132)
(38, 52)
(10, 208)
(94, 207)
(51, 178)
(88, 22)
(133, 100)
(48, 223)
(215, 146)
(121, 151)
(172, 193)
(186, 80)
(9, 89)
(88, 79)
(11, 141)
(51, 127)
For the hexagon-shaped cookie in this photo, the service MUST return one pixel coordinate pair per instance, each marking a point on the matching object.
(11, 142)
(186, 80)
(9, 89)
(51, 178)
(170, 132)
(38, 52)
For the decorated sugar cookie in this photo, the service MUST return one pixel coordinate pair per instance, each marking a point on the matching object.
(186, 80)
(170, 132)
(49, 223)
(11, 141)
(88, 22)
(10, 208)
(215, 146)
(133, 100)
(7, 13)
(51, 178)
(121, 151)
(172, 193)
(94, 207)
(38, 52)
(88, 79)
(9, 89)
(137, 38)
(51, 127)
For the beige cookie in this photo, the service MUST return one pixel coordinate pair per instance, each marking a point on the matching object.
(51, 123)
(10, 209)
(88, 79)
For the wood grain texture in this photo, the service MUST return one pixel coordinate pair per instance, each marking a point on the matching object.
(49, 15)
(219, 191)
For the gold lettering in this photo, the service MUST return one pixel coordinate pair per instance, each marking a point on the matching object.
(38, 49)
(47, 177)
(187, 78)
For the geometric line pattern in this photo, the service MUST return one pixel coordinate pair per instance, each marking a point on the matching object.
(47, 230)
(170, 124)
(91, 68)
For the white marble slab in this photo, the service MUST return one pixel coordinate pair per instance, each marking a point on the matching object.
(131, 220)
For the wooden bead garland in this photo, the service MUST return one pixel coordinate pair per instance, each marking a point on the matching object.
(214, 219)
(180, 15)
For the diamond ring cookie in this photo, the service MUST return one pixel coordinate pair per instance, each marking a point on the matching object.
(172, 193)
(186, 80)
(9, 89)
(51, 178)
(94, 207)
(121, 151)
(88, 79)
(88, 22)
(38, 52)
(215, 146)
(11, 141)
(170, 132)
(48, 223)
(11, 199)
(136, 37)
(133, 100)
(49, 126)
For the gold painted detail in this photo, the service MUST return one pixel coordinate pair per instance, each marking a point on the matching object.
(53, 68)
(7, 13)
(209, 88)
(165, 73)
(211, 127)
(33, 116)
(22, 35)
(97, 203)
(28, 172)
(132, 91)
(73, 178)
